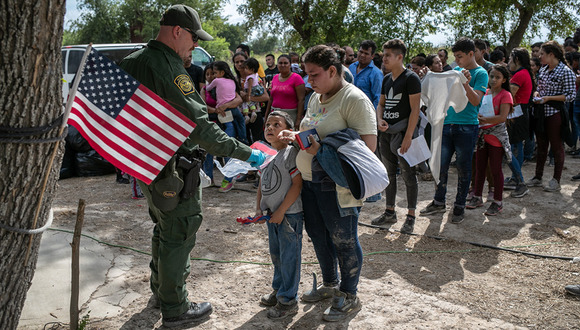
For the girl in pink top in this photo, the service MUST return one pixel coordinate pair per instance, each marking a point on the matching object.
(492, 150)
(287, 93)
(225, 85)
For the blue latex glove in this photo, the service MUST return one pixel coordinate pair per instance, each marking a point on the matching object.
(257, 158)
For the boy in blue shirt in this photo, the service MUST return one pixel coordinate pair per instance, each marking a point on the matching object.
(279, 195)
(460, 132)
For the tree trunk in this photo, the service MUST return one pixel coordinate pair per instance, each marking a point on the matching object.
(30, 96)
(517, 36)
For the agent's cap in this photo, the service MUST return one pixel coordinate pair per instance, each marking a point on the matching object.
(187, 18)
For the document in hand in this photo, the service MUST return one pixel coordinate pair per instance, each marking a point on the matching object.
(418, 151)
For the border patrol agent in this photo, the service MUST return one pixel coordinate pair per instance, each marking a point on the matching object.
(174, 197)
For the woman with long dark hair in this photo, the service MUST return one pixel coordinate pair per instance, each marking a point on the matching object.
(522, 83)
(330, 211)
(556, 85)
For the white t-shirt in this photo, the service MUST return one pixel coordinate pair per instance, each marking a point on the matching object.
(348, 108)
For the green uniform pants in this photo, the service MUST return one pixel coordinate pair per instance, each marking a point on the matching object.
(172, 242)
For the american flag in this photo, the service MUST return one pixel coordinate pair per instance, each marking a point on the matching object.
(126, 123)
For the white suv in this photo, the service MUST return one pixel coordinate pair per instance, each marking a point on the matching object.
(72, 55)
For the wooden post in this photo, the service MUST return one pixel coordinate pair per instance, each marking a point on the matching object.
(75, 268)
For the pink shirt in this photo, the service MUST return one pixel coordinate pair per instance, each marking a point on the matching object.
(523, 80)
(255, 81)
(501, 98)
(225, 90)
(209, 100)
(283, 94)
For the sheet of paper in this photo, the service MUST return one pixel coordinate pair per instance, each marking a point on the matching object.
(516, 113)
(417, 153)
(486, 108)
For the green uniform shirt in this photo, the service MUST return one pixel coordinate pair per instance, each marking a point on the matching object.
(160, 69)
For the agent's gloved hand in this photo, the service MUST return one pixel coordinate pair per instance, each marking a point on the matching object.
(257, 158)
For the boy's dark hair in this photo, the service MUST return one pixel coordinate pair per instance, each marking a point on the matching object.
(324, 56)
(421, 54)
(464, 45)
(271, 55)
(245, 48)
(287, 119)
(396, 45)
(252, 64)
(503, 50)
(496, 56)
(366, 44)
(418, 60)
(445, 51)
(480, 44)
(577, 36)
(571, 43)
(223, 66)
(429, 59)
(537, 45)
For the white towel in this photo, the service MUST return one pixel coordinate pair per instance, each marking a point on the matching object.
(439, 91)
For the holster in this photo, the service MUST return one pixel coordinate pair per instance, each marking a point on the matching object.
(190, 165)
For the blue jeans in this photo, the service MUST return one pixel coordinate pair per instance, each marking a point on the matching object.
(239, 125)
(517, 161)
(208, 166)
(458, 139)
(230, 131)
(285, 250)
(576, 118)
(335, 237)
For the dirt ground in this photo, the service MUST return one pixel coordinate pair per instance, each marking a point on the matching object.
(407, 282)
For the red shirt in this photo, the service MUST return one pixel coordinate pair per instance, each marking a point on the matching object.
(523, 80)
(501, 98)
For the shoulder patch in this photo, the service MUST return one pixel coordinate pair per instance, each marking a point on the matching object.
(183, 82)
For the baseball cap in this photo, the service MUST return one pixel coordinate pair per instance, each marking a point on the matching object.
(186, 17)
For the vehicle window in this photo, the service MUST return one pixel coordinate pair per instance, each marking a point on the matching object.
(200, 58)
(63, 57)
(116, 55)
(74, 59)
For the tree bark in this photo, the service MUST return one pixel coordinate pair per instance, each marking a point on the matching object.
(30, 96)
(525, 17)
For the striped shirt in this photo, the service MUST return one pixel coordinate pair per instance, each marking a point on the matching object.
(558, 81)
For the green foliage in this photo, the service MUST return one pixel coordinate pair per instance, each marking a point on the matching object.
(315, 21)
(218, 47)
(264, 44)
(509, 22)
(234, 34)
(99, 23)
(410, 21)
(84, 322)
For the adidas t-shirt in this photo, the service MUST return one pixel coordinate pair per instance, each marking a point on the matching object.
(397, 105)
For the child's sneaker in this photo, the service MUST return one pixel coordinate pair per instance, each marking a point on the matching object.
(253, 117)
(226, 186)
(247, 119)
(474, 203)
(494, 209)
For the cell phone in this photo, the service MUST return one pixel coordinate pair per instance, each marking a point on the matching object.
(537, 99)
(303, 141)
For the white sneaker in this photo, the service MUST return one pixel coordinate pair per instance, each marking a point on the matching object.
(552, 185)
